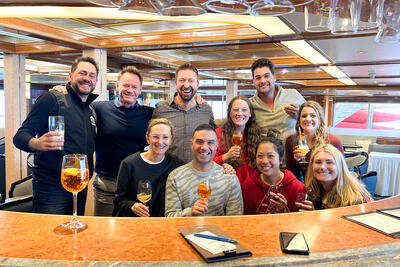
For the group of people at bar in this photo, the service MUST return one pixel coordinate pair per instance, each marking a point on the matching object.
(265, 172)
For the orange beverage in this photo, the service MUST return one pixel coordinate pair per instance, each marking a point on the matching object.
(143, 197)
(303, 149)
(74, 179)
(204, 191)
(237, 139)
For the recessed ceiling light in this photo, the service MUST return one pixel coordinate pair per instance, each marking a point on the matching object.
(360, 52)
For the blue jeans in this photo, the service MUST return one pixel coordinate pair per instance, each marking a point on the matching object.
(53, 199)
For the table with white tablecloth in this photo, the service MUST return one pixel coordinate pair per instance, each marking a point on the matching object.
(387, 166)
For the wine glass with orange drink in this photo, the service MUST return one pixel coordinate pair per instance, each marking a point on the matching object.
(74, 178)
(144, 191)
(204, 189)
(303, 147)
(237, 139)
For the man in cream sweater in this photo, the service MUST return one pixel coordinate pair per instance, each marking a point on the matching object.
(181, 197)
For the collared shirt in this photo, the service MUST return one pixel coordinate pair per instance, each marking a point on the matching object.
(277, 118)
(185, 123)
(121, 132)
(118, 104)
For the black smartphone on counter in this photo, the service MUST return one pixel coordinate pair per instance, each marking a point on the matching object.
(294, 243)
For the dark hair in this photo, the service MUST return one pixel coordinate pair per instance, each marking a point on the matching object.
(132, 70)
(186, 66)
(278, 146)
(262, 62)
(204, 126)
(90, 60)
(252, 131)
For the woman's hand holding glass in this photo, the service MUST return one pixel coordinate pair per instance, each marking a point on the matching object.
(233, 153)
(143, 195)
(302, 202)
(144, 191)
(298, 154)
(279, 201)
(140, 210)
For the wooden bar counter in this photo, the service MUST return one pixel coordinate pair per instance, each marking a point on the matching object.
(38, 240)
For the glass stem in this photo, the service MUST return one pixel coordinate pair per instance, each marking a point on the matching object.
(74, 214)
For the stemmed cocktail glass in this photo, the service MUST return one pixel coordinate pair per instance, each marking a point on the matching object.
(74, 178)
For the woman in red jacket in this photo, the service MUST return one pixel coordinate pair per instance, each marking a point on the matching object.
(241, 121)
(271, 190)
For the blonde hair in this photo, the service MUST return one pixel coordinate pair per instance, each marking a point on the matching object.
(347, 191)
(164, 121)
(320, 134)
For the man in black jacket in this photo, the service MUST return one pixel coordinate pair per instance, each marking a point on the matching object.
(80, 130)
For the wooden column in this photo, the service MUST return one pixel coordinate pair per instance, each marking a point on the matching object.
(15, 113)
(231, 91)
(100, 55)
(328, 109)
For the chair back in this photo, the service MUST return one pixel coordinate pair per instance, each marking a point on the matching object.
(20, 196)
(358, 162)
(21, 187)
(369, 180)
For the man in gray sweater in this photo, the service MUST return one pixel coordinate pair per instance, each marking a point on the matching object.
(181, 197)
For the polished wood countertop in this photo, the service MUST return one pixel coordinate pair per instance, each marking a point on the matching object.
(39, 236)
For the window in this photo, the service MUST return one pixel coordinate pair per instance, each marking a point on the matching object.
(368, 119)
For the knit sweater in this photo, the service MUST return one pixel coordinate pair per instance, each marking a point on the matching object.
(181, 192)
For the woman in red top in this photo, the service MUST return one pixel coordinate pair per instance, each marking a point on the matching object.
(241, 120)
(311, 122)
(330, 183)
(271, 190)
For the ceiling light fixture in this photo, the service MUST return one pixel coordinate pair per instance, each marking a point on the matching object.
(337, 73)
(306, 51)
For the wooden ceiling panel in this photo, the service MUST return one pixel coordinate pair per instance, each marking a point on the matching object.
(67, 37)
(218, 49)
(7, 47)
(34, 48)
(322, 82)
(246, 63)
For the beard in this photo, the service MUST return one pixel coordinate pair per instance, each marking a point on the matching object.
(186, 97)
(79, 91)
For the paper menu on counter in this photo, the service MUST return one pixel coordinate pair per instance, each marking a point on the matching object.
(378, 221)
(218, 250)
(214, 246)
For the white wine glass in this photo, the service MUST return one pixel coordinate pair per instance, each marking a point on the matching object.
(74, 178)
(204, 189)
(56, 124)
(144, 191)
